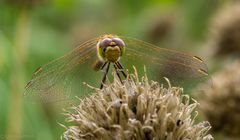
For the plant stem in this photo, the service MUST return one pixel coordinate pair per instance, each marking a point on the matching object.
(19, 51)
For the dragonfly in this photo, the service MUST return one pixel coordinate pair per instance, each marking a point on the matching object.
(92, 60)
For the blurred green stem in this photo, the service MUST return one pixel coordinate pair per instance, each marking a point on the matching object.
(19, 49)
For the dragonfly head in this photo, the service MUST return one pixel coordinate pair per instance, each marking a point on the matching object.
(110, 48)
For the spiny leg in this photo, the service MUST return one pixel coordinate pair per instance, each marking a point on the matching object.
(102, 67)
(119, 65)
(117, 72)
(105, 75)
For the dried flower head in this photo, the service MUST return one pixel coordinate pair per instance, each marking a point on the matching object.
(220, 104)
(136, 110)
(161, 28)
(226, 30)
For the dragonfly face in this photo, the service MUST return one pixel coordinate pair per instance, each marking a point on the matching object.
(62, 78)
(110, 48)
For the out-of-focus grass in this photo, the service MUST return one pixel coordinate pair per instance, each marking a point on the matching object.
(54, 26)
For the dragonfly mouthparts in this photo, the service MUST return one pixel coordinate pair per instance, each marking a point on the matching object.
(112, 44)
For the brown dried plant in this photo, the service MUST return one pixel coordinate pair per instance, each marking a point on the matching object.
(221, 104)
(225, 35)
(138, 109)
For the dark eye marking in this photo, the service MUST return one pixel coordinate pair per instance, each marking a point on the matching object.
(104, 49)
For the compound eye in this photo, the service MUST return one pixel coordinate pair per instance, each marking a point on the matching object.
(119, 42)
(105, 43)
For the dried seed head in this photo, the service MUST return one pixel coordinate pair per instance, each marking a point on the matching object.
(225, 35)
(220, 104)
(161, 28)
(135, 110)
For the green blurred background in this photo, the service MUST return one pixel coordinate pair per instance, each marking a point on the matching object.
(33, 32)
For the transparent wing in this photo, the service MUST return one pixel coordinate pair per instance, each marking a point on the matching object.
(181, 69)
(62, 78)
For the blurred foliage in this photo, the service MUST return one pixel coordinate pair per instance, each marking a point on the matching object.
(52, 26)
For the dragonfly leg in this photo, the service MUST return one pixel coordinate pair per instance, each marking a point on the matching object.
(103, 66)
(120, 67)
(105, 75)
(117, 72)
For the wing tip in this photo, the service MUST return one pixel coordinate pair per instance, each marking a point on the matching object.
(28, 84)
(198, 59)
(204, 72)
